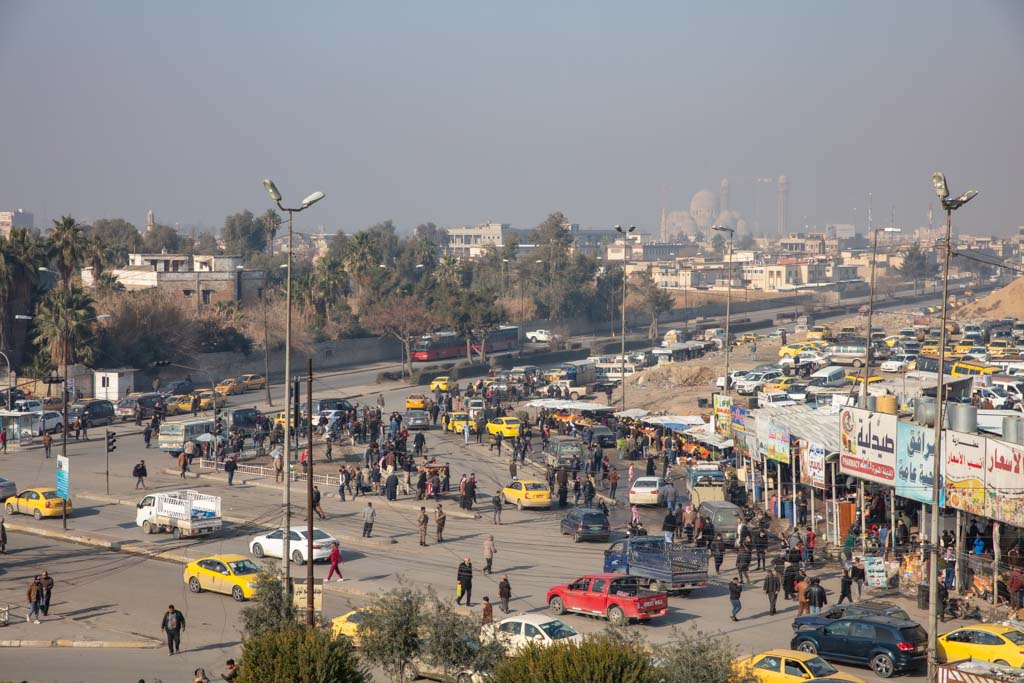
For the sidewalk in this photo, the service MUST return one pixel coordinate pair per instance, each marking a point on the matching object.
(63, 631)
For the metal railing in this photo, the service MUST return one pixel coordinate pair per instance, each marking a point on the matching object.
(261, 471)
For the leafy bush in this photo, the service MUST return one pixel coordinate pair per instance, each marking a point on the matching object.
(600, 659)
(298, 655)
(268, 611)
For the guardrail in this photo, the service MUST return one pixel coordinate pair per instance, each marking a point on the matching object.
(261, 471)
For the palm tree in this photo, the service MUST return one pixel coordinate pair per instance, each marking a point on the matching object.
(271, 221)
(449, 272)
(68, 248)
(329, 284)
(363, 259)
(64, 323)
(22, 255)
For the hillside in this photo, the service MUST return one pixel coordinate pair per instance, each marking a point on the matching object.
(1007, 302)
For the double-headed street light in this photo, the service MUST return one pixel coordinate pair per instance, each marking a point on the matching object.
(950, 205)
(309, 201)
(625, 261)
(728, 303)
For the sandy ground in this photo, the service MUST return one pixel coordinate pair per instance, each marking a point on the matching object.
(1007, 302)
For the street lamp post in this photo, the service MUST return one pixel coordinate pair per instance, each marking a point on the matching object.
(309, 201)
(622, 355)
(871, 311)
(10, 381)
(728, 304)
(950, 205)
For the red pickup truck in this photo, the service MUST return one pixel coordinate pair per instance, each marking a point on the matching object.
(614, 596)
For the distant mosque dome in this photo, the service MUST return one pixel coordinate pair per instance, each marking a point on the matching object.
(704, 208)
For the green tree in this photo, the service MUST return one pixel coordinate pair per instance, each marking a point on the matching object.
(718, 244)
(599, 659)
(402, 317)
(298, 655)
(453, 641)
(271, 222)
(268, 611)
(654, 300)
(67, 248)
(918, 266)
(118, 237)
(205, 244)
(698, 657)
(64, 324)
(22, 253)
(244, 234)
(162, 238)
(391, 630)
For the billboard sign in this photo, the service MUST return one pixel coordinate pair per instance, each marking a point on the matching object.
(915, 464)
(867, 445)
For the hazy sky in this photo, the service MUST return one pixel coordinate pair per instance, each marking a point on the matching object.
(462, 112)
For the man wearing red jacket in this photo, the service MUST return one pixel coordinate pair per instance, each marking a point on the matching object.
(335, 558)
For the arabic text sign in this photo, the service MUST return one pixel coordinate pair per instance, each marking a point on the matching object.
(915, 464)
(740, 437)
(812, 465)
(874, 572)
(965, 472)
(867, 445)
(1003, 480)
(300, 595)
(778, 443)
(723, 414)
(63, 483)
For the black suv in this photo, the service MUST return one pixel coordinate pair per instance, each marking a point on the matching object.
(885, 644)
(586, 524)
(851, 609)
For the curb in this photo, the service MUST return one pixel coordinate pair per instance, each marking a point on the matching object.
(97, 644)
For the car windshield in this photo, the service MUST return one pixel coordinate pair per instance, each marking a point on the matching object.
(570, 450)
(319, 535)
(1015, 637)
(536, 486)
(50, 495)
(819, 668)
(556, 630)
(243, 567)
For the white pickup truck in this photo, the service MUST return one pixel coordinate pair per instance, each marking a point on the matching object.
(774, 399)
(535, 336)
(183, 513)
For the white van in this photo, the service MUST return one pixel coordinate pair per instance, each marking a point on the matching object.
(1013, 386)
(832, 376)
(175, 434)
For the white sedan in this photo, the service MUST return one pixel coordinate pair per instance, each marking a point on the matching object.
(898, 363)
(647, 491)
(515, 632)
(272, 544)
(48, 421)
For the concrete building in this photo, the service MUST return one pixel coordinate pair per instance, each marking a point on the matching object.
(473, 241)
(113, 384)
(801, 244)
(199, 280)
(15, 219)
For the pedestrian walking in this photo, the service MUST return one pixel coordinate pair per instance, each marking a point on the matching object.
(505, 593)
(464, 583)
(422, 520)
(335, 559)
(440, 517)
(789, 579)
(735, 589)
(34, 595)
(3, 537)
(635, 518)
(488, 612)
(489, 551)
(278, 464)
(668, 526)
(48, 443)
(857, 573)
(328, 450)
(513, 469)
(369, 516)
(816, 596)
(147, 437)
(496, 502)
(3, 440)
(46, 581)
(613, 483)
(845, 587)
(173, 624)
(718, 552)
(803, 606)
(316, 503)
(761, 548)
(229, 467)
(772, 585)
(743, 563)
(182, 464)
(140, 474)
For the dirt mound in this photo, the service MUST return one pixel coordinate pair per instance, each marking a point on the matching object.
(1007, 302)
(676, 375)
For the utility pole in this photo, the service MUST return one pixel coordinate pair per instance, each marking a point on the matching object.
(622, 354)
(310, 620)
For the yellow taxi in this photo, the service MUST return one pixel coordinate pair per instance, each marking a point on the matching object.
(347, 625)
(791, 666)
(39, 503)
(987, 642)
(794, 349)
(230, 386)
(527, 493)
(233, 575)
(781, 384)
(930, 346)
(1000, 348)
(892, 340)
(279, 419)
(416, 402)
(859, 379)
(252, 382)
(819, 332)
(964, 346)
(457, 421)
(818, 344)
(179, 403)
(440, 384)
(207, 399)
(506, 426)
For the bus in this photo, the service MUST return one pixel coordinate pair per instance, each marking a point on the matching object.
(973, 369)
(930, 363)
(452, 345)
(175, 433)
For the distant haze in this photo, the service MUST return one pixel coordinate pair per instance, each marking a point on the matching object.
(463, 112)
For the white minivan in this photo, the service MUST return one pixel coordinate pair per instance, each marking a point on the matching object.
(832, 376)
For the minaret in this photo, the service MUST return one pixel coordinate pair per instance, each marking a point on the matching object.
(664, 225)
(150, 221)
(783, 210)
(871, 225)
(723, 196)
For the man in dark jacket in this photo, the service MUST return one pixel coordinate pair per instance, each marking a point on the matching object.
(505, 593)
(743, 563)
(761, 547)
(464, 577)
(772, 585)
(46, 581)
(789, 578)
(140, 474)
(173, 624)
(734, 597)
(668, 526)
(816, 596)
(718, 552)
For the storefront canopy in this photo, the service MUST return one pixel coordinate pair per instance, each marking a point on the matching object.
(680, 423)
(559, 404)
(633, 413)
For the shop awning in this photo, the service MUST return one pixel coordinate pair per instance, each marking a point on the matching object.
(633, 413)
(560, 404)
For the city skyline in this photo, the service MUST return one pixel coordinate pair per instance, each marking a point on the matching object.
(469, 114)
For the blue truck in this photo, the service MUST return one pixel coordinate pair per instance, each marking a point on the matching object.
(671, 567)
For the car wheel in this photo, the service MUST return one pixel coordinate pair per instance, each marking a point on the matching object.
(237, 594)
(297, 557)
(616, 616)
(257, 550)
(1001, 662)
(882, 665)
(10, 509)
(176, 532)
(519, 504)
(532, 340)
(576, 537)
(808, 647)
(147, 527)
(464, 678)
(556, 605)
(574, 396)
(857, 363)
(37, 514)
(194, 585)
